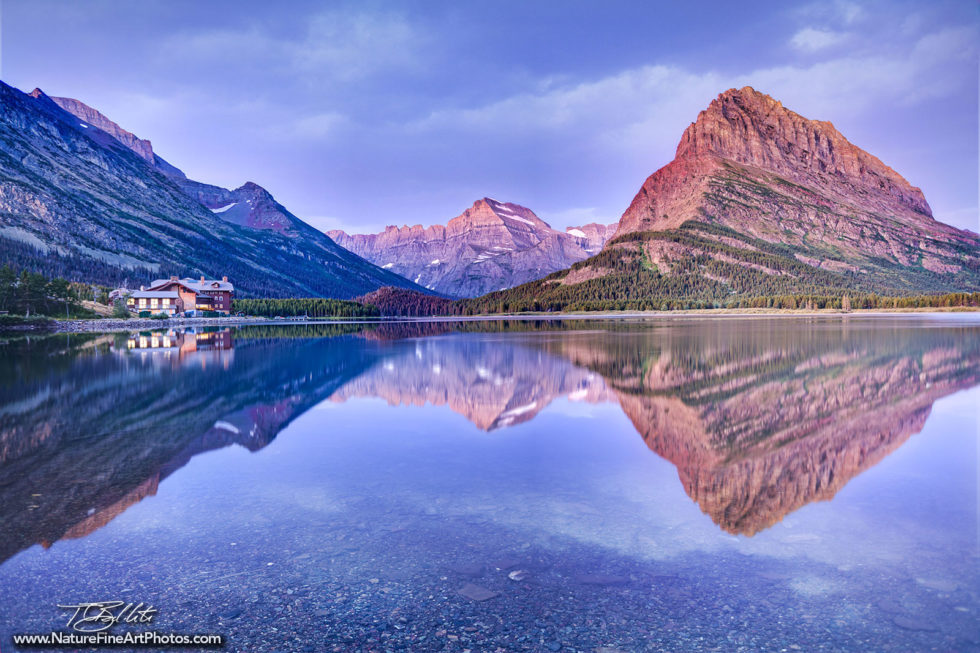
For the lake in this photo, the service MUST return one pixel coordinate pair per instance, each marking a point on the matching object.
(729, 484)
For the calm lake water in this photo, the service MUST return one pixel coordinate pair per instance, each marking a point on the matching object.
(615, 485)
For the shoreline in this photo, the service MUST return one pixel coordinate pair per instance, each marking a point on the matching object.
(109, 325)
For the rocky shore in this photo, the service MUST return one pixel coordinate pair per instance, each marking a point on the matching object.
(116, 324)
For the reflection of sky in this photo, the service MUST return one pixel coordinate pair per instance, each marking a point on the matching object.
(563, 107)
(322, 499)
(577, 471)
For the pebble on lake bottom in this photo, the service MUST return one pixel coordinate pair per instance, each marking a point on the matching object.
(477, 593)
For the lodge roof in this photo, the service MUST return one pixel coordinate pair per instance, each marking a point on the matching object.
(197, 285)
(158, 294)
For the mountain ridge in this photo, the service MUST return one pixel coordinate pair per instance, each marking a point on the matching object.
(762, 202)
(490, 246)
(77, 202)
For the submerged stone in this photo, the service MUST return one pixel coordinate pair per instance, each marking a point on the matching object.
(477, 593)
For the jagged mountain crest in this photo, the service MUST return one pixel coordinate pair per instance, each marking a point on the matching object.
(749, 127)
(757, 134)
(249, 205)
(490, 246)
(93, 117)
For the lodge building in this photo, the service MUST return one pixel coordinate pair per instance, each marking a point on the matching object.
(175, 296)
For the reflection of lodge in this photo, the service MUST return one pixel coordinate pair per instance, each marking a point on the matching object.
(181, 343)
(65, 478)
(758, 424)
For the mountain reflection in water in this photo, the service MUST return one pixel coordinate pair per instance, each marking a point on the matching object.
(760, 417)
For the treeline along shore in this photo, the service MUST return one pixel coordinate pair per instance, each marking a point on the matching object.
(29, 300)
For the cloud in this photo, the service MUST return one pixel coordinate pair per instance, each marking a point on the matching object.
(646, 108)
(839, 12)
(849, 12)
(354, 45)
(337, 45)
(629, 110)
(316, 126)
(813, 40)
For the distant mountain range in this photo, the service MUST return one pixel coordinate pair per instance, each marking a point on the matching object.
(83, 198)
(491, 246)
(760, 201)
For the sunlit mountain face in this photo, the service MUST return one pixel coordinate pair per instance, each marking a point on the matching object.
(758, 418)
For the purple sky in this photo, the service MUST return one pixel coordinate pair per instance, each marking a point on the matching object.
(357, 115)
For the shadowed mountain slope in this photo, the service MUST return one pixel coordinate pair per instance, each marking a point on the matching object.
(82, 198)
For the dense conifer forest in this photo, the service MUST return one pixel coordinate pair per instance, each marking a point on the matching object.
(304, 307)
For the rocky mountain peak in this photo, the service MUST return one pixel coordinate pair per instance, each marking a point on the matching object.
(43, 99)
(490, 246)
(752, 128)
(490, 211)
(251, 188)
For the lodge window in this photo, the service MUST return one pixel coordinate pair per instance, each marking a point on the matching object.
(142, 302)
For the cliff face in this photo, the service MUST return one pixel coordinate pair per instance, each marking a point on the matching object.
(93, 118)
(594, 234)
(85, 199)
(490, 246)
(250, 205)
(750, 165)
(753, 129)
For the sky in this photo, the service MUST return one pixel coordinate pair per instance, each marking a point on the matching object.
(357, 115)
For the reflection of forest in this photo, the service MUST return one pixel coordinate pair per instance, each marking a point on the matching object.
(762, 418)
(759, 417)
(88, 425)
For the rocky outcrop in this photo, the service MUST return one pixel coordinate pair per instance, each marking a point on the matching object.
(753, 129)
(491, 246)
(249, 205)
(594, 234)
(92, 118)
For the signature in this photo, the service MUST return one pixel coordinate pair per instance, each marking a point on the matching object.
(103, 615)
